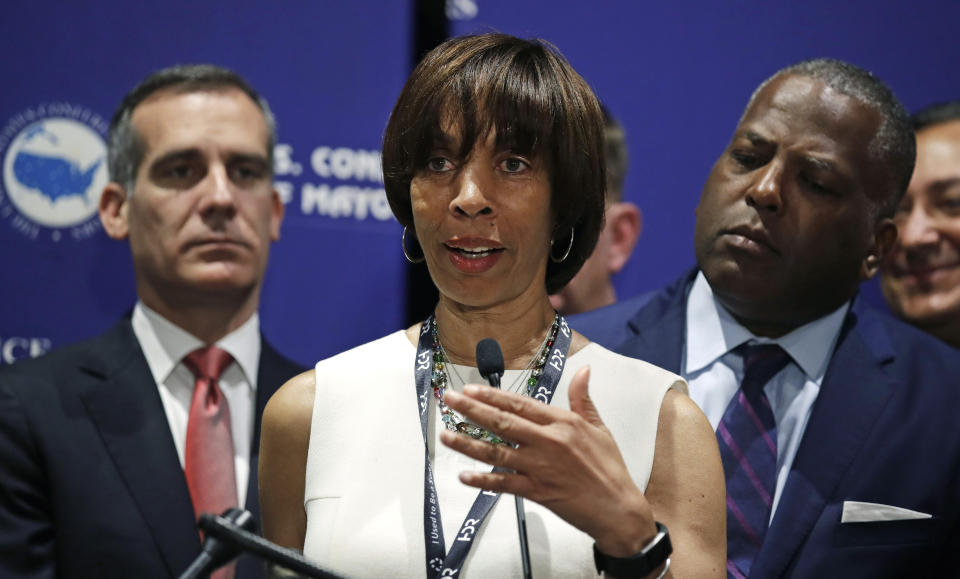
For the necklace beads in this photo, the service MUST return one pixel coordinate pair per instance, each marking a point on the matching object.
(439, 380)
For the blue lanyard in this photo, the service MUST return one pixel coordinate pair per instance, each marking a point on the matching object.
(439, 562)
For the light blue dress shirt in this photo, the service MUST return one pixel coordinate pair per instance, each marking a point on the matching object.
(714, 372)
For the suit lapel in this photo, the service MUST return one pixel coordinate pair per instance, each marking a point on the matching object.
(124, 404)
(659, 327)
(854, 392)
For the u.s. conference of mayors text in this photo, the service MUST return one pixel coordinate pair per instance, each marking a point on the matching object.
(338, 192)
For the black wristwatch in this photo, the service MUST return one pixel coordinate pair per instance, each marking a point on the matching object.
(654, 554)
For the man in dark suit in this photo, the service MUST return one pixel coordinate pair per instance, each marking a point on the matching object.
(843, 460)
(113, 446)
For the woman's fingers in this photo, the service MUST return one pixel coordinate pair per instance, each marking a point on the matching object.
(498, 482)
(529, 408)
(518, 470)
(566, 460)
(510, 417)
(503, 456)
(579, 396)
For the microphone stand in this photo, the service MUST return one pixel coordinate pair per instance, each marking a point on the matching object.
(228, 532)
(522, 529)
(521, 514)
(490, 364)
(217, 553)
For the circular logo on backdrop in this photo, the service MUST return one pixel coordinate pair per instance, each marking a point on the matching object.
(54, 169)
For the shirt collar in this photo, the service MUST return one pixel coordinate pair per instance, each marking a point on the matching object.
(712, 332)
(165, 344)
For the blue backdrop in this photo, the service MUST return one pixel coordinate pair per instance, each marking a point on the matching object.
(331, 72)
(677, 74)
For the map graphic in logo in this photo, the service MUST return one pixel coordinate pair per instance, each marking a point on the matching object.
(54, 171)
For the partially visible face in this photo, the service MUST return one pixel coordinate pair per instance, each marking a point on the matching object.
(592, 287)
(921, 278)
(203, 211)
(484, 222)
(785, 225)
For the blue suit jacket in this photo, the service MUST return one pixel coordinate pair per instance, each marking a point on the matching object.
(90, 481)
(884, 429)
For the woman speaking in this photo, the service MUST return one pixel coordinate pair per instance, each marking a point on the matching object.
(383, 462)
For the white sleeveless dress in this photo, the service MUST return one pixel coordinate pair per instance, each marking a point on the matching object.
(364, 475)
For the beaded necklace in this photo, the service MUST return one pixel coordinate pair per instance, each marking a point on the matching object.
(439, 381)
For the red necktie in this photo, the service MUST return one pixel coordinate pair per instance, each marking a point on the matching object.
(208, 464)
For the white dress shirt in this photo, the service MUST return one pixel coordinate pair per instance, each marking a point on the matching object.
(714, 372)
(165, 345)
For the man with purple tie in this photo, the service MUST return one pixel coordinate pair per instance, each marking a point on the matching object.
(835, 422)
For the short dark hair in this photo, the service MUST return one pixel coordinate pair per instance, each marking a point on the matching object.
(894, 145)
(125, 147)
(536, 104)
(936, 114)
(618, 160)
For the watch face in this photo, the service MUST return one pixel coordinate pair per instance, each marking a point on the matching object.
(652, 556)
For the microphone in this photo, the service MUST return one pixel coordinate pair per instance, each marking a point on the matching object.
(241, 538)
(490, 361)
(490, 364)
(217, 553)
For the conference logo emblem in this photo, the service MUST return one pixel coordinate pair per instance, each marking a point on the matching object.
(54, 167)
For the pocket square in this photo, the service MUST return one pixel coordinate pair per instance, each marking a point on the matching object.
(859, 512)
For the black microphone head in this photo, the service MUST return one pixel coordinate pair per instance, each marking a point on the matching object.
(489, 358)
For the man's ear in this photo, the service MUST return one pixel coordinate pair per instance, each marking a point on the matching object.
(884, 238)
(624, 223)
(113, 210)
(277, 209)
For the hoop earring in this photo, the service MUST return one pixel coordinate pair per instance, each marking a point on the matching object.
(403, 246)
(566, 254)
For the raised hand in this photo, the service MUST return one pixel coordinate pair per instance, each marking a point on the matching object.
(566, 460)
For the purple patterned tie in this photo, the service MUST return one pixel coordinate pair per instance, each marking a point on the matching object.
(747, 435)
